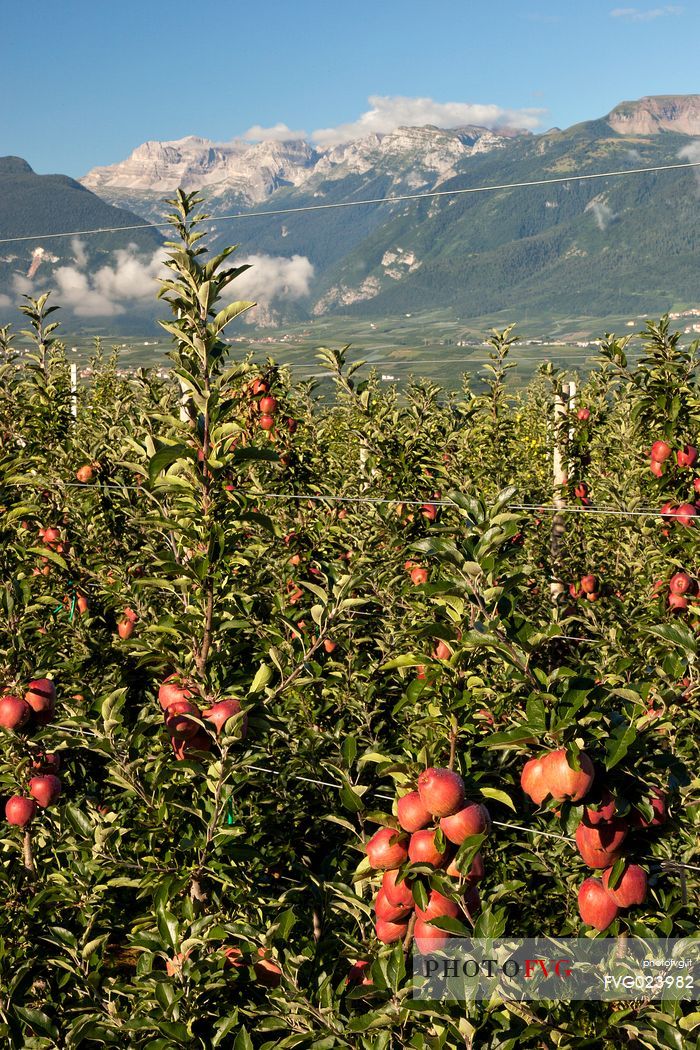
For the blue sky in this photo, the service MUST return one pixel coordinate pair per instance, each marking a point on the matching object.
(83, 83)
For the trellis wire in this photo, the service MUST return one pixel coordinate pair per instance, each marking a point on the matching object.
(593, 511)
(374, 200)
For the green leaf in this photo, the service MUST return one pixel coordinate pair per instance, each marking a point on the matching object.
(168, 927)
(498, 796)
(37, 1020)
(618, 744)
(165, 457)
(225, 316)
(242, 1041)
(616, 873)
(262, 677)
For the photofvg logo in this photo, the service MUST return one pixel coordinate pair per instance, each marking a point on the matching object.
(570, 968)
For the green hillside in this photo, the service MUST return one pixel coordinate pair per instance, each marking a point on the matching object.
(32, 204)
(591, 248)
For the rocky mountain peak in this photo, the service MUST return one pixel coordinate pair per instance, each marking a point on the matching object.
(656, 113)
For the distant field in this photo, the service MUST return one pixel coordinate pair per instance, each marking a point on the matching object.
(422, 346)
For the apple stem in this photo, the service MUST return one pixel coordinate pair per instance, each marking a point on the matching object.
(409, 934)
(453, 743)
(28, 855)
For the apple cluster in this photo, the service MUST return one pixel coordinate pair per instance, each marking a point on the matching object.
(183, 717)
(36, 708)
(686, 458)
(581, 493)
(433, 819)
(599, 835)
(661, 452)
(588, 587)
(682, 589)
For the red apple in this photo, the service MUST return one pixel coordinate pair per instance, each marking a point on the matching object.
(41, 697)
(267, 972)
(631, 888)
(595, 905)
(581, 490)
(441, 791)
(47, 763)
(472, 819)
(14, 712)
(686, 514)
(267, 406)
(592, 856)
(564, 782)
(258, 386)
(175, 688)
(604, 834)
(589, 584)
(386, 849)
(412, 813)
(660, 451)
(20, 810)
(389, 932)
(357, 974)
(533, 781)
(201, 741)
(442, 651)
(658, 804)
(686, 456)
(677, 602)
(656, 468)
(429, 938)
(45, 789)
(179, 724)
(233, 956)
(422, 849)
(219, 713)
(605, 812)
(267, 422)
(680, 583)
(584, 414)
(388, 912)
(125, 629)
(398, 894)
(475, 873)
(437, 907)
(419, 575)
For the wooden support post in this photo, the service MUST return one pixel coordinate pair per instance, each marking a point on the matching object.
(560, 480)
(74, 390)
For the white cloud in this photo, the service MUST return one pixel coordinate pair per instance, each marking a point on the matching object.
(390, 112)
(272, 277)
(5, 302)
(106, 291)
(602, 213)
(132, 278)
(79, 252)
(636, 14)
(21, 285)
(691, 153)
(277, 133)
(74, 289)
